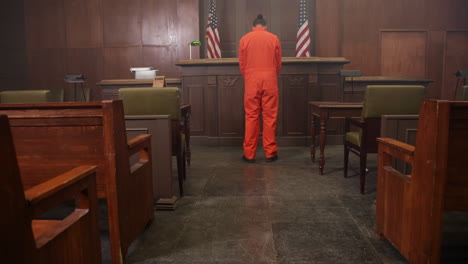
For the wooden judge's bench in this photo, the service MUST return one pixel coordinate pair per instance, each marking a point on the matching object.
(215, 89)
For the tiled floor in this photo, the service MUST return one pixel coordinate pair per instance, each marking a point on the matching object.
(282, 212)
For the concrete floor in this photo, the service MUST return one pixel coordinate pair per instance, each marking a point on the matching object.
(265, 213)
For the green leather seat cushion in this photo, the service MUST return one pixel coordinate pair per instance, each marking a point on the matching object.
(354, 138)
(25, 96)
(151, 101)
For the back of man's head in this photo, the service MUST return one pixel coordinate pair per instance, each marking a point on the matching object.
(259, 21)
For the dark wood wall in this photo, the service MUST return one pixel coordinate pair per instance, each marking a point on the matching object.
(420, 38)
(104, 38)
(13, 75)
(44, 39)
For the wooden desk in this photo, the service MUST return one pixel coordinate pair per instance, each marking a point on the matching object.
(110, 88)
(325, 111)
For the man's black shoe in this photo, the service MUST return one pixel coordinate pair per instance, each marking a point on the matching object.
(248, 160)
(274, 158)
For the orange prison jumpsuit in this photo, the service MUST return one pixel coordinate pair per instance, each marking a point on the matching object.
(260, 64)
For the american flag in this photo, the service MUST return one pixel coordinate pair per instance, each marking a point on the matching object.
(212, 47)
(303, 34)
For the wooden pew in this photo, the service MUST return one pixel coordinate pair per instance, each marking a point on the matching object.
(402, 128)
(25, 239)
(161, 143)
(410, 207)
(73, 134)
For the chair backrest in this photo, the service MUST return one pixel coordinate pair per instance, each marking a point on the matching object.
(151, 101)
(441, 158)
(392, 100)
(25, 96)
(12, 202)
(463, 95)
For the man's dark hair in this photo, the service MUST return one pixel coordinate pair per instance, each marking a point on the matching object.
(259, 21)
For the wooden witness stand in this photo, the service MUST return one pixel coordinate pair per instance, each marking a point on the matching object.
(67, 135)
(410, 208)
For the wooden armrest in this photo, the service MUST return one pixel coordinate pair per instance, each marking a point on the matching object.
(138, 143)
(355, 122)
(185, 107)
(43, 191)
(397, 149)
(185, 110)
(395, 173)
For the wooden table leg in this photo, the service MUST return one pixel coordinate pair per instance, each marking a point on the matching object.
(323, 139)
(312, 138)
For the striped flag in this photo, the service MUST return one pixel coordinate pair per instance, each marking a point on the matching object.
(303, 34)
(213, 49)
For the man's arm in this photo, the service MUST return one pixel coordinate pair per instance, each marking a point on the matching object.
(241, 57)
(278, 56)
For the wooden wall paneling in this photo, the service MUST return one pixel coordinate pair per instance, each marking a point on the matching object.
(253, 8)
(241, 21)
(361, 38)
(194, 94)
(45, 24)
(435, 63)
(187, 28)
(162, 58)
(404, 14)
(285, 25)
(83, 23)
(118, 61)
(211, 107)
(444, 15)
(295, 115)
(90, 63)
(403, 53)
(159, 22)
(12, 26)
(13, 74)
(46, 69)
(329, 30)
(456, 58)
(227, 19)
(121, 20)
(231, 112)
(329, 85)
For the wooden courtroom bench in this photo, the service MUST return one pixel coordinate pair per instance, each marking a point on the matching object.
(160, 127)
(410, 208)
(67, 135)
(27, 239)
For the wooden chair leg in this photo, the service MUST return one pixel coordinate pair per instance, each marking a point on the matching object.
(180, 172)
(346, 158)
(362, 170)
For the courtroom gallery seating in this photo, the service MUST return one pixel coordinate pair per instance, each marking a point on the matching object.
(27, 239)
(25, 96)
(67, 135)
(378, 100)
(160, 101)
(409, 208)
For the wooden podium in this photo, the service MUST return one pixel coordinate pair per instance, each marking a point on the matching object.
(215, 89)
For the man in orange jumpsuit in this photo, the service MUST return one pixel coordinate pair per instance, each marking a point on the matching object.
(260, 64)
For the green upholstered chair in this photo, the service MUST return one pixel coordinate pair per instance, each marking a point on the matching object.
(25, 96)
(463, 95)
(160, 101)
(378, 100)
